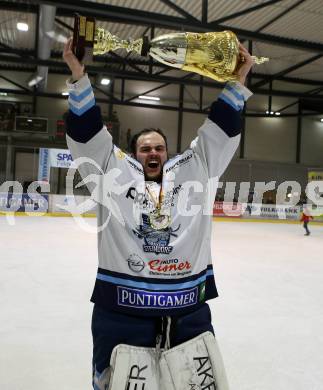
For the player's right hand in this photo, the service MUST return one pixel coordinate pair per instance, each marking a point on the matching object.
(73, 63)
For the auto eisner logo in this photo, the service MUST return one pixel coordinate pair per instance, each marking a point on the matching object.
(169, 265)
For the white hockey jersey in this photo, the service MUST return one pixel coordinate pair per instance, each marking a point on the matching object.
(142, 270)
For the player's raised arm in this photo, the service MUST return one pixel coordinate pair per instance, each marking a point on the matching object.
(245, 65)
(87, 137)
(73, 63)
(219, 136)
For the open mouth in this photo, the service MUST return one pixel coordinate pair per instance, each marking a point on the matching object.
(153, 165)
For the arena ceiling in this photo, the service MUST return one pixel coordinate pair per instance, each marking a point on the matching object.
(290, 32)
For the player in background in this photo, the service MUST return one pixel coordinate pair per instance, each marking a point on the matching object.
(305, 218)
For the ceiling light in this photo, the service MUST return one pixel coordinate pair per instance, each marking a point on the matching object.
(271, 112)
(57, 36)
(289, 195)
(34, 80)
(267, 112)
(29, 120)
(3, 94)
(105, 81)
(277, 113)
(22, 26)
(149, 97)
(321, 119)
(65, 93)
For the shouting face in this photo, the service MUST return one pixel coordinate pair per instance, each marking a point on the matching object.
(151, 152)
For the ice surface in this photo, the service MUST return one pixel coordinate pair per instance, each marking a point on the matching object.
(268, 318)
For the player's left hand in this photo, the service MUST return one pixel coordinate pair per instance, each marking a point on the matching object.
(73, 63)
(246, 63)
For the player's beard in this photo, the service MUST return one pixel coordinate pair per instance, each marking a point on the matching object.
(154, 175)
(158, 179)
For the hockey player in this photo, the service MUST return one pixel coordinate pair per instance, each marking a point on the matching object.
(151, 324)
(305, 218)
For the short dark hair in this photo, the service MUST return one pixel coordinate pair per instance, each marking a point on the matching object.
(133, 144)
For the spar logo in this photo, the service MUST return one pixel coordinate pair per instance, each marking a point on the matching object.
(64, 160)
(64, 157)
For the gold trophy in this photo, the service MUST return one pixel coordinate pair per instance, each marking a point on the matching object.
(213, 54)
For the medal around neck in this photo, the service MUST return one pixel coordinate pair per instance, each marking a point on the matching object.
(159, 221)
(213, 54)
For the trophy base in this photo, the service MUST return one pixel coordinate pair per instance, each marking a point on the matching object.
(83, 38)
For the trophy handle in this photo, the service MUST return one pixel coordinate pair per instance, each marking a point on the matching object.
(259, 60)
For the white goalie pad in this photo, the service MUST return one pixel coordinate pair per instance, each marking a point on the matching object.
(134, 368)
(194, 365)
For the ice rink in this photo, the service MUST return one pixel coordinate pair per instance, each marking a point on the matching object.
(268, 318)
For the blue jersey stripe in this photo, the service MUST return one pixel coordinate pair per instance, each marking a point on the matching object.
(229, 101)
(154, 286)
(81, 96)
(153, 280)
(81, 111)
(234, 92)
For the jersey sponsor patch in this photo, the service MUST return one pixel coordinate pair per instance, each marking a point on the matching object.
(143, 299)
(155, 241)
(178, 162)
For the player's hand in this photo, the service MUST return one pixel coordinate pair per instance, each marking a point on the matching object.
(73, 63)
(245, 65)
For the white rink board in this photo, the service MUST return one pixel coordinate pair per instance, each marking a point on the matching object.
(268, 318)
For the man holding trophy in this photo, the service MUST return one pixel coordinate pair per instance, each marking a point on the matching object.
(151, 324)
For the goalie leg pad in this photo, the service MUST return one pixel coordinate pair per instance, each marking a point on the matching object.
(134, 368)
(195, 365)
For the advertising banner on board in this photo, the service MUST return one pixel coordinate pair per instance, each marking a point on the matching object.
(56, 158)
(13, 202)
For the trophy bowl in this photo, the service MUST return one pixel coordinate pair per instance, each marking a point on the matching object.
(212, 54)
